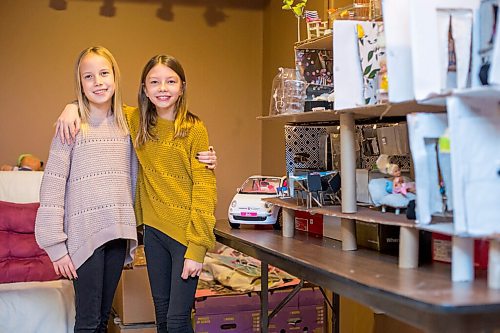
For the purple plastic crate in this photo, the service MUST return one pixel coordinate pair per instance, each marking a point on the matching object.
(240, 322)
(300, 319)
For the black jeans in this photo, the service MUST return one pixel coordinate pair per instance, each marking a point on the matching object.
(96, 284)
(173, 297)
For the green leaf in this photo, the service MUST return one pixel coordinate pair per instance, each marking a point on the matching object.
(287, 4)
(370, 55)
(297, 11)
(367, 100)
(373, 73)
(367, 70)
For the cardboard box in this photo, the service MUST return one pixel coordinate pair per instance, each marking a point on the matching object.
(398, 49)
(347, 73)
(363, 177)
(441, 250)
(135, 328)
(332, 227)
(429, 27)
(380, 237)
(308, 222)
(424, 131)
(133, 302)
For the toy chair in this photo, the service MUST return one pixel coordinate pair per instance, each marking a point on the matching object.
(314, 190)
(333, 191)
(315, 27)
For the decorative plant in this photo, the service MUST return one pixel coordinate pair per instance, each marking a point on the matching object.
(297, 9)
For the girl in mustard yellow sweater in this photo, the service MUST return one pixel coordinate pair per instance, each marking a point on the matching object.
(176, 194)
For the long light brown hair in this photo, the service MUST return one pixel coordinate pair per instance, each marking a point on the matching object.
(116, 103)
(184, 119)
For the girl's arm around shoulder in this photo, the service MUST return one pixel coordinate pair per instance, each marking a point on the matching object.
(129, 110)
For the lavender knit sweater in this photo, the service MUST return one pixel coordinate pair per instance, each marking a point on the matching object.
(86, 194)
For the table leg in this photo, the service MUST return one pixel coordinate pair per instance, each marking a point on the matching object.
(335, 313)
(264, 292)
(334, 309)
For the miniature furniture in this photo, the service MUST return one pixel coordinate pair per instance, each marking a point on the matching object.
(315, 27)
(314, 190)
(334, 185)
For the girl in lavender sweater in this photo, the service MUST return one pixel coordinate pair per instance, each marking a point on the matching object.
(86, 221)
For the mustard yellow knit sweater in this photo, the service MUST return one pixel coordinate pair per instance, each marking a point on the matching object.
(176, 194)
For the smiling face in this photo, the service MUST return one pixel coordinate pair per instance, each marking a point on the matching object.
(163, 87)
(97, 81)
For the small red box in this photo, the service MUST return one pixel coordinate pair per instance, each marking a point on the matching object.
(441, 250)
(308, 222)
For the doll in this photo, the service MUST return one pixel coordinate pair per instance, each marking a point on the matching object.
(395, 192)
(398, 184)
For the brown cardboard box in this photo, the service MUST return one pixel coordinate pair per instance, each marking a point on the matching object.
(136, 328)
(331, 227)
(380, 237)
(133, 302)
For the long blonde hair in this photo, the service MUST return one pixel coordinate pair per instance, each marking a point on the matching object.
(184, 120)
(116, 103)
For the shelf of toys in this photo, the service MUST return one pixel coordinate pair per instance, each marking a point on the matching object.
(444, 76)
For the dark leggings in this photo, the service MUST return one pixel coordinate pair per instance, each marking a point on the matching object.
(96, 285)
(165, 261)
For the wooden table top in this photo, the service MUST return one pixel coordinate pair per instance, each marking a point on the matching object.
(417, 296)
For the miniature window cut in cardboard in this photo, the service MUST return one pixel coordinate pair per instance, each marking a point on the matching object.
(488, 29)
(455, 36)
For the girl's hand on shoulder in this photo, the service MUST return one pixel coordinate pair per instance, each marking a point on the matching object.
(191, 269)
(68, 124)
(209, 157)
(65, 267)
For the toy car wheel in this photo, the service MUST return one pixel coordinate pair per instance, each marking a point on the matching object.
(234, 225)
(279, 221)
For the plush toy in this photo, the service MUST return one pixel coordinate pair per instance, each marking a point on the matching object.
(25, 162)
